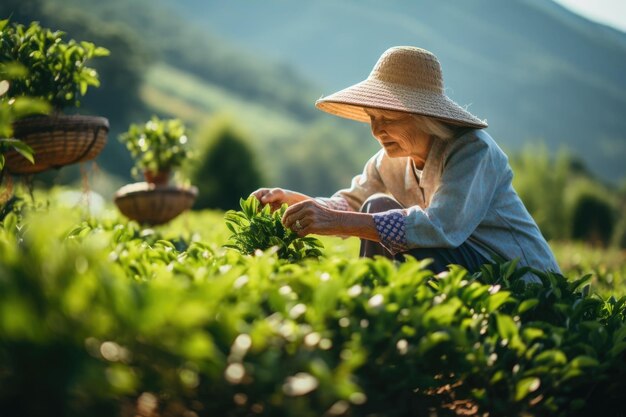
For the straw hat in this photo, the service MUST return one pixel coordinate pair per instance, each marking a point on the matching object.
(406, 79)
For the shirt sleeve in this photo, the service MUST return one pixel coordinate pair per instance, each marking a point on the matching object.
(336, 202)
(391, 230)
(470, 177)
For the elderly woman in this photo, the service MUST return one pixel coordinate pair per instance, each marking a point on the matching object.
(439, 188)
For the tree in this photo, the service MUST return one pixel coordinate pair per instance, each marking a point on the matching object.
(592, 218)
(226, 170)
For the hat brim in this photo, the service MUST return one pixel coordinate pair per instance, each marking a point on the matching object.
(371, 93)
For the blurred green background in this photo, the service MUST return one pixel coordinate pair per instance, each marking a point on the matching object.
(550, 83)
(101, 317)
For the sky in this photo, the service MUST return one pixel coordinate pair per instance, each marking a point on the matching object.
(609, 12)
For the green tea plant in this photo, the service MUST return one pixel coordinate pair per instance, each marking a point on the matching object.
(257, 229)
(607, 267)
(57, 70)
(158, 145)
(122, 320)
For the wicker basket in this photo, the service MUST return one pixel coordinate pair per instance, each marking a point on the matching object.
(154, 204)
(57, 141)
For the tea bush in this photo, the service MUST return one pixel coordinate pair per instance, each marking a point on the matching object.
(100, 317)
(255, 228)
(607, 266)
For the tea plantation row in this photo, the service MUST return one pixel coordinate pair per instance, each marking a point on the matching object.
(100, 317)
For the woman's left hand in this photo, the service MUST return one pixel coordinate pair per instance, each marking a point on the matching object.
(309, 216)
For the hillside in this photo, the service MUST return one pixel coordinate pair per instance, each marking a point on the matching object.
(534, 70)
(160, 63)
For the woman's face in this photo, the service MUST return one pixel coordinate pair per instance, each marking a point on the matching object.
(399, 134)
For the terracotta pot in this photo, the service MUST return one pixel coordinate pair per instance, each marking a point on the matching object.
(57, 140)
(154, 204)
(157, 178)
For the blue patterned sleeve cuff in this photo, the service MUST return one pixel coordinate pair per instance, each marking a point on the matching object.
(335, 203)
(391, 230)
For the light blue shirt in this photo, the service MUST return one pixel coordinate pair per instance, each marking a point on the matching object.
(464, 194)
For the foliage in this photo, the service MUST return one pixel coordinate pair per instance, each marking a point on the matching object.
(14, 109)
(593, 219)
(194, 49)
(619, 236)
(158, 145)
(121, 74)
(227, 168)
(17, 145)
(541, 183)
(100, 317)
(607, 266)
(255, 229)
(262, 26)
(565, 200)
(57, 70)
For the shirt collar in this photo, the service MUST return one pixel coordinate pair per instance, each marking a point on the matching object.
(433, 160)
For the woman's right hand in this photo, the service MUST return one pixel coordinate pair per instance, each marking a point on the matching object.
(276, 197)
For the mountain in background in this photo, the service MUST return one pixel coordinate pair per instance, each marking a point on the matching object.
(536, 71)
(163, 64)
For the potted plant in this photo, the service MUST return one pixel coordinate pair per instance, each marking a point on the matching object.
(11, 110)
(56, 73)
(158, 147)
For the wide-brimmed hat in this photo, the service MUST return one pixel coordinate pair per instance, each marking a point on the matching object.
(405, 79)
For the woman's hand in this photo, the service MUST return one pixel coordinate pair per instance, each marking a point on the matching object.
(276, 197)
(309, 216)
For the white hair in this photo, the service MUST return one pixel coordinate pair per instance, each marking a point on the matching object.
(434, 127)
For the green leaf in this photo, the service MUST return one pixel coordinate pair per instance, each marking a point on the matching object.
(511, 266)
(573, 286)
(230, 246)
(443, 314)
(431, 340)
(100, 51)
(12, 70)
(584, 361)
(498, 376)
(496, 300)
(83, 87)
(531, 333)
(551, 357)
(10, 222)
(526, 305)
(166, 243)
(230, 227)
(526, 386)
(24, 150)
(506, 326)
(26, 106)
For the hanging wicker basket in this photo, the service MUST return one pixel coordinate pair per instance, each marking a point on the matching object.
(154, 204)
(57, 141)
